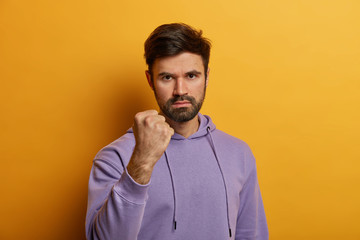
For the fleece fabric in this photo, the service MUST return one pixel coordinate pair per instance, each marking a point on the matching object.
(204, 187)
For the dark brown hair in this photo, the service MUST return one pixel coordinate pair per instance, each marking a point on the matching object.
(172, 39)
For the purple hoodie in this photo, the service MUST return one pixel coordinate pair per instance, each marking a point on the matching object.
(204, 187)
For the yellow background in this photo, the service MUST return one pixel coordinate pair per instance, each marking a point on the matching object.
(284, 77)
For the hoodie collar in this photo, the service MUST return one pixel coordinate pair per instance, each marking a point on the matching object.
(205, 123)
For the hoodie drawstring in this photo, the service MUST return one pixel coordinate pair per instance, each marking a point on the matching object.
(222, 175)
(173, 188)
(223, 178)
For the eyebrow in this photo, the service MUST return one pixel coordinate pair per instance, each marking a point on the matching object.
(172, 75)
(165, 74)
(194, 72)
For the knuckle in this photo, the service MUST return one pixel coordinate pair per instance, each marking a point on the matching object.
(141, 115)
(160, 127)
(151, 112)
(138, 115)
(154, 111)
(148, 120)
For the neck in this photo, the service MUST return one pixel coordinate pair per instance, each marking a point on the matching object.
(186, 129)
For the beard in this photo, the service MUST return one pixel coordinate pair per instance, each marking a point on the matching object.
(182, 114)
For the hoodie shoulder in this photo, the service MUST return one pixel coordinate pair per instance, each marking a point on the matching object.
(231, 140)
(234, 149)
(118, 152)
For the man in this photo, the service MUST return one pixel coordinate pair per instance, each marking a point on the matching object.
(174, 175)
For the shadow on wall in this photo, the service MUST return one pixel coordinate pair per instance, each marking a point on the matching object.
(116, 105)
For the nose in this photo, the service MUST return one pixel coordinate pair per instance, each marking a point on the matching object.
(180, 87)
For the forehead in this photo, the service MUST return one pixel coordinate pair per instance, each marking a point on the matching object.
(182, 62)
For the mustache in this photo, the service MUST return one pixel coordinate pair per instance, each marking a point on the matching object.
(182, 98)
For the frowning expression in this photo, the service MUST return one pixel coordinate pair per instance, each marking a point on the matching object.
(179, 85)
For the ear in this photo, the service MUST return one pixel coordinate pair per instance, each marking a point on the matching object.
(148, 77)
(207, 77)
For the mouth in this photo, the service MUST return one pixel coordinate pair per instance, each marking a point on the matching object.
(179, 104)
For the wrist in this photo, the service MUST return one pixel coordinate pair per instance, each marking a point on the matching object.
(139, 170)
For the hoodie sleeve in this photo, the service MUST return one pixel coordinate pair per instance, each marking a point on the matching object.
(251, 220)
(116, 203)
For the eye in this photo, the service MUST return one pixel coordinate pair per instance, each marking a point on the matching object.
(192, 76)
(167, 77)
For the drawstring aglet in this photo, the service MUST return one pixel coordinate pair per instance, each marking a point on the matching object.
(230, 232)
(175, 225)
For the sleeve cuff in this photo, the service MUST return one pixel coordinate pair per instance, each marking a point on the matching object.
(131, 190)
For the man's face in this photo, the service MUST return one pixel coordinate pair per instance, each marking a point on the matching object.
(179, 85)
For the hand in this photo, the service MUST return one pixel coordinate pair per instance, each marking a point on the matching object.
(152, 135)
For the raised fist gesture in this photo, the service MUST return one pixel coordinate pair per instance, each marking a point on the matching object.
(152, 135)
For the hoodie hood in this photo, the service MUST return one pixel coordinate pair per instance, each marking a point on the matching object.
(205, 126)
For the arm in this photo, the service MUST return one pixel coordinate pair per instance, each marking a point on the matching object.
(251, 220)
(117, 197)
(116, 203)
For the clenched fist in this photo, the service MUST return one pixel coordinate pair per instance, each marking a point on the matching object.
(152, 135)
